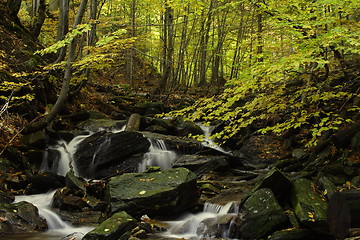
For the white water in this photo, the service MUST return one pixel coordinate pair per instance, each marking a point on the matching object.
(192, 226)
(158, 155)
(66, 151)
(57, 227)
(208, 141)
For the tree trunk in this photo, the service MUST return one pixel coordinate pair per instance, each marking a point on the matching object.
(66, 81)
(39, 19)
(13, 10)
(63, 27)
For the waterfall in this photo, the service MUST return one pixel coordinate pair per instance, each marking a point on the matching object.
(203, 225)
(65, 159)
(57, 227)
(208, 141)
(158, 155)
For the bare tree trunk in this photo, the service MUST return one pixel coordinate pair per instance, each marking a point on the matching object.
(66, 81)
(39, 18)
(63, 27)
(204, 40)
(168, 49)
(13, 9)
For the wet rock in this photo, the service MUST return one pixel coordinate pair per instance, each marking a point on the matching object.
(200, 164)
(103, 150)
(156, 125)
(37, 139)
(162, 193)
(35, 158)
(149, 108)
(328, 186)
(118, 226)
(73, 182)
(22, 217)
(300, 154)
(261, 215)
(344, 212)
(296, 234)
(184, 128)
(96, 125)
(309, 206)
(279, 184)
(84, 218)
(43, 182)
(183, 145)
(6, 197)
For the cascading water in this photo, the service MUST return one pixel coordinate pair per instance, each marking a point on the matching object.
(158, 155)
(66, 151)
(205, 224)
(57, 227)
(208, 141)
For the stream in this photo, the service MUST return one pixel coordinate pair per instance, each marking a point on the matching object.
(189, 226)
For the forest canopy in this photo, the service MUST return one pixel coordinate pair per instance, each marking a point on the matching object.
(272, 65)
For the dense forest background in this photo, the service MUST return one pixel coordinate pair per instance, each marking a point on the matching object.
(282, 67)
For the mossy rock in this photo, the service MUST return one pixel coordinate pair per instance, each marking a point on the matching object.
(309, 206)
(118, 226)
(166, 192)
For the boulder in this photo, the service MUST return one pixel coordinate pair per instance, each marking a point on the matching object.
(84, 218)
(103, 150)
(185, 128)
(22, 217)
(260, 215)
(279, 184)
(133, 123)
(200, 164)
(6, 197)
(118, 227)
(149, 108)
(43, 182)
(166, 192)
(73, 182)
(309, 206)
(96, 125)
(37, 139)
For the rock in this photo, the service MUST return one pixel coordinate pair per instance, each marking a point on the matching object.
(295, 234)
(78, 116)
(22, 217)
(103, 150)
(118, 227)
(261, 215)
(262, 150)
(200, 164)
(43, 182)
(309, 206)
(84, 218)
(72, 182)
(35, 158)
(300, 154)
(96, 125)
(184, 128)
(6, 197)
(133, 123)
(162, 193)
(37, 139)
(182, 145)
(149, 108)
(328, 186)
(163, 126)
(343, 212)
(279, 184)
(64, 199)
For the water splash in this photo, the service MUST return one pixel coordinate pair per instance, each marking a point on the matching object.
(208, 141)
(197, 226)
(56, 225)
(66, 152)
(158, 155)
